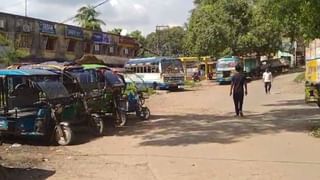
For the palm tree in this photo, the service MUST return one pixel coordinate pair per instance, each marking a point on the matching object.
(87, 18)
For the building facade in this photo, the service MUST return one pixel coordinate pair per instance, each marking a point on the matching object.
(46, 40)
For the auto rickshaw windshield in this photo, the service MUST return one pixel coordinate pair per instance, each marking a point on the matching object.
(113, 79)
(53, 89)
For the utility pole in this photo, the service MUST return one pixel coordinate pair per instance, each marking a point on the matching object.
(159, 32)
(26, 8)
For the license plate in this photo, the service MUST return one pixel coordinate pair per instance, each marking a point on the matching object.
(3, 125)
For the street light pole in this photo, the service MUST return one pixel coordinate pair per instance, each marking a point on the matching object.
(26, 7)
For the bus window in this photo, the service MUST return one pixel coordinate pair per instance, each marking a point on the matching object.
(153, 69)
(148, 69)
(145, 69)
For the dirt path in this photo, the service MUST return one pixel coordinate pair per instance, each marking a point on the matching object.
(193, 135)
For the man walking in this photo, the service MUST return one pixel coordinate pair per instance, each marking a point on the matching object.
(267, 79)
(238, 90)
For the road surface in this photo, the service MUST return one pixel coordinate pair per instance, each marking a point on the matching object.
(194, 135)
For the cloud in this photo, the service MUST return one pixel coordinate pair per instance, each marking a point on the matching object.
(143, 15)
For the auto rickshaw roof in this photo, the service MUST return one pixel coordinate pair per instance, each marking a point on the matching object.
(94, 66)
(59, 66)
(26, 72)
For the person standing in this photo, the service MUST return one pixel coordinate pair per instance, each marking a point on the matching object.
(267, 79)
(238, 90)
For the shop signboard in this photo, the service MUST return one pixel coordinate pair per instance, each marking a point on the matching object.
(47, 27)
(101, 38)
(74, 32)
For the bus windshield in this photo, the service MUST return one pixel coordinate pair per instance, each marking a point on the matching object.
(171, 66)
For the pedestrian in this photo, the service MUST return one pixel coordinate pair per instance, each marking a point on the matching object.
(267, 79)
(238, 89)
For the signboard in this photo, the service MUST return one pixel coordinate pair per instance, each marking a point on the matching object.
(127, 40)
(46, 27)
(74, 32)
(226, 65)
(101, 38)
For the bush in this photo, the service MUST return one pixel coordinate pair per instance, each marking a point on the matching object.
(300, 78)
(315, 132)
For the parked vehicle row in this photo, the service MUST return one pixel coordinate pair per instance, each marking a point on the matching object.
(54, 100)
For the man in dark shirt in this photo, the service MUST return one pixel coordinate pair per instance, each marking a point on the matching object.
(238, 89)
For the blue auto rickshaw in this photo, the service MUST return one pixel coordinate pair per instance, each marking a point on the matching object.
(35, 103)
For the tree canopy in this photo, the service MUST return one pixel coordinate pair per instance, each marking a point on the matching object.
(240, 27)
(167, 42)
(87, 17)
(8, 53)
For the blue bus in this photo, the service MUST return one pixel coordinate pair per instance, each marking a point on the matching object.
(158, 72)
(226, 66)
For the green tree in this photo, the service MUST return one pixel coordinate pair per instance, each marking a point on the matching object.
(217, 27)
(232, 27)
(137, 35)
(8, 53)
(265, 34)
(168, 41)
(87, 17)
(116, 31)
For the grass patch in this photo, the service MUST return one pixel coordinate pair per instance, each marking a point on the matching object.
(191, 84)
(150, 91)
(315, 132)
(300, 78)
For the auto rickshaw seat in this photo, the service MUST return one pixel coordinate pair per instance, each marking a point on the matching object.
(23, 96)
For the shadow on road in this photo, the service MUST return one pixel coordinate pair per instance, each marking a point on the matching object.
(289, 103)
(188, 129)
(24, 174)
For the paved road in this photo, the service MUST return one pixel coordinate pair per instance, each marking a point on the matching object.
(193, 135)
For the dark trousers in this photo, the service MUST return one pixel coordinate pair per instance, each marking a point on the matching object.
(267, 87)
(238, 102)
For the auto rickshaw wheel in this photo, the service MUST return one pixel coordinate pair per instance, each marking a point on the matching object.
(145, 113)
(97, 125)
(64, 135)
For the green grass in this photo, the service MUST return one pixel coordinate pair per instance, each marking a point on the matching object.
(191, 84)
(315, 132)
(300, 78)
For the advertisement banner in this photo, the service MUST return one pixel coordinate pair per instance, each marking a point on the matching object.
(226, 65)
(46, 27)
(74, 32)
(101, 38)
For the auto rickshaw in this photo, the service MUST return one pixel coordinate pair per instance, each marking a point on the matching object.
(136, 95)
(35, 103)
(114, 87)
(134, 90)
(85, 90)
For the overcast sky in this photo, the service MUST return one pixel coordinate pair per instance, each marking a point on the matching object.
(143, 15)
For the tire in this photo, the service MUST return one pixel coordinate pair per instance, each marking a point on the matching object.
(66, 138)
(3, 173)
(97, 126)
(145, 113)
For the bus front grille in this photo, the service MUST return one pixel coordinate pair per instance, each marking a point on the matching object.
(173, 79)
